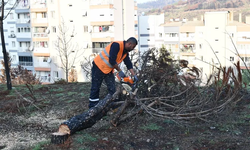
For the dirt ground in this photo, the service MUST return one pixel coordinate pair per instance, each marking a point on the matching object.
(27, 124)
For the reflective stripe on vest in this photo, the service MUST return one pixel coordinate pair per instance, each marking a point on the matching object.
(105, 61)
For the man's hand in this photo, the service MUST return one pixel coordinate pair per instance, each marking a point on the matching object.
(121, 74)
(135, 78)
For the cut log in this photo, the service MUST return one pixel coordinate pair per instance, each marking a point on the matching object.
(59, 138)
(84, 120)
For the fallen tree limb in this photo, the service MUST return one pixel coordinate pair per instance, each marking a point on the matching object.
(84, 120)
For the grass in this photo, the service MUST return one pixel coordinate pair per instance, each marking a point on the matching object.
(40, 144)
(86, 138)
(151, 126)
(57, 90)
(59, 94)
(71, 93)
(70, 101)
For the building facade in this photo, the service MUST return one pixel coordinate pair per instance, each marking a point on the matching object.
(33, 27)
(213, 40)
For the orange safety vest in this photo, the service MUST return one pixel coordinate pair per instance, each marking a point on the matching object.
(102, 60)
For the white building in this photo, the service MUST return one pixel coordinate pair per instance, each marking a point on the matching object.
(35, 26)
(204, 42)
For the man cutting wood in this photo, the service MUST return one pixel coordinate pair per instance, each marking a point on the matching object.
(104, 65)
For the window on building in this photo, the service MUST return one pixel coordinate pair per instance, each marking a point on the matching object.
(172, 34)
(231, 58)
(14, 58)
(148, 28)
(85, 28)
(45, 59)
(200, 45)
(84, 13)
(247, 59)
(70, 20)
(56, 74)
(200, 34)
(70, 5)
(13, 44)
(51, 1)
(216, 27)
(101, 14)
(216, 39)
(52, 13)
(26, 58)
(44, 15)
(54, 29)
(11, 16)
(187, 34)
(160, 34)
(23, 29)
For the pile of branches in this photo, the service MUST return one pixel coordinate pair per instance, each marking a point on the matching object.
(161, 91)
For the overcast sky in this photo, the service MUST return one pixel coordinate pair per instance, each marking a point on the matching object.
(142, 1)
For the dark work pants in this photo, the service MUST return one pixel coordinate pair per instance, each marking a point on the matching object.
(97, 77)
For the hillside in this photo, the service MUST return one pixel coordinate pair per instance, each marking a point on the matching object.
(195, 8)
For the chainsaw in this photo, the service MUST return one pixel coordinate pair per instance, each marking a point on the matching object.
(127, 82)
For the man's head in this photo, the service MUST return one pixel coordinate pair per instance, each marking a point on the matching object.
(130, 44)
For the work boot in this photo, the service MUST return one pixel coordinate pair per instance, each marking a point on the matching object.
(93, 103)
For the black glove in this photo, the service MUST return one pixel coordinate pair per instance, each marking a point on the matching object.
(135, 78)
(121, 74)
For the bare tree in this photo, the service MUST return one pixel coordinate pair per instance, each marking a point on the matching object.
(2, 17)
(67, 50)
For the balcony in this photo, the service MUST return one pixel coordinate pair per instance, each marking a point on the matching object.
(176, 39)
(23, 49)
(23, 35)
(97, 50)
(242, 65)
(40, 37)
(243, 40)
(25, 63)
(36, 22)
(187, 40)
(101, 2)
(101, 23)
(187, 50)
(40, 52)
(44, 79)
(104, 39)
(22, 7)
(23, 21)
(38, 6)
(103, 34)
(42, 64)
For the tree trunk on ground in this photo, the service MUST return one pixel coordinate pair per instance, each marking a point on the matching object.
(84, 120)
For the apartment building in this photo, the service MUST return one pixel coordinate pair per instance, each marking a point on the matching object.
(150, 32)
(210, 40)
(95, 23)
(17, 32)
